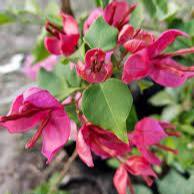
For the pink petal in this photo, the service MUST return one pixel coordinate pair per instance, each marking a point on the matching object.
(149, 156)
(31, 70)
(55, 134)
(98, 70)
(53, 45)
(134, 45)
(171, 75)
(73, 134)
(15, 107)
(120, 180)
(117, 13)
(126, 33)
(136, 67)
(166, 38)
(92, 18)
(20, 123)
(23, 124)
(40, 98)
(181, 52)
(138, 165)
(104, 143)
(70, 25)
(150, 131)
(69, 43)
(83, 149)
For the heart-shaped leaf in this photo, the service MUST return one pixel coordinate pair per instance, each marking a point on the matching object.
(101, 35)
(108, 105)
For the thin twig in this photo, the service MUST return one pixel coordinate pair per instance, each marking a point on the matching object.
(63, 172)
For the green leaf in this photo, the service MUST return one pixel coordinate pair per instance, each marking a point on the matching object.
(174, 183)
(55, 19)
(132, 119)
(171, 112)
(144, 84)
(61, 82)
(32, 6)
(68, 74)
(113, 163)
(71, 111)
(49, 81)
(6, 18)
(52, 8)
(150, 7)
(101, 35)
(137, 16)
(79, 54)
(162, 5)
(101, 3)
(108, 105)
(140, 189)
(188, 27)
(161, 99)
(39, 52)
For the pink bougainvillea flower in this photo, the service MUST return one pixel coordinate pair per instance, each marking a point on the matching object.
(31, 70)
(102, 142)
(97, 66)
(117, 13)
(161, 67)
(92, 18)
(135, 165)
(149, 132)
(62, 41)
(38, 107)
(134, 40)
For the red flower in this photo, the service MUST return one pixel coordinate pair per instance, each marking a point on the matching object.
(134, 40)
(102, 142)
(160, 67)
(117, 13)
(63, 41)
(149, 132)
(135, 165)
(97, 66)
(36, 106)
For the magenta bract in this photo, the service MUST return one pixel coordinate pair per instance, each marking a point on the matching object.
(117, 13)
(102, 142)
(149, 132)
(97, 67)
(134, 40)
(160, 67)
(62, 41)
(31, 70)
(135, 165)
(38, 107)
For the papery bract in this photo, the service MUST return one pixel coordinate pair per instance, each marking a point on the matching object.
(62, 41)
(92, 18)
(31, 70)
(36, 106)
(160, 67)
(135, 165)
(103, 143)
(149, 132)
(97, 66)
(117, 13)
(134, 40)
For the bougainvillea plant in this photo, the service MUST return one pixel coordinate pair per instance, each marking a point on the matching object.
(84, 91)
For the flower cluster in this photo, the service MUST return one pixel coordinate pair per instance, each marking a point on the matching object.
(137, 55)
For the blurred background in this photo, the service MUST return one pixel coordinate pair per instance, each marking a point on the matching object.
(20, 170)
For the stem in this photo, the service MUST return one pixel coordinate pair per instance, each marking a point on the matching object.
(63, 172)
(66, 7)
